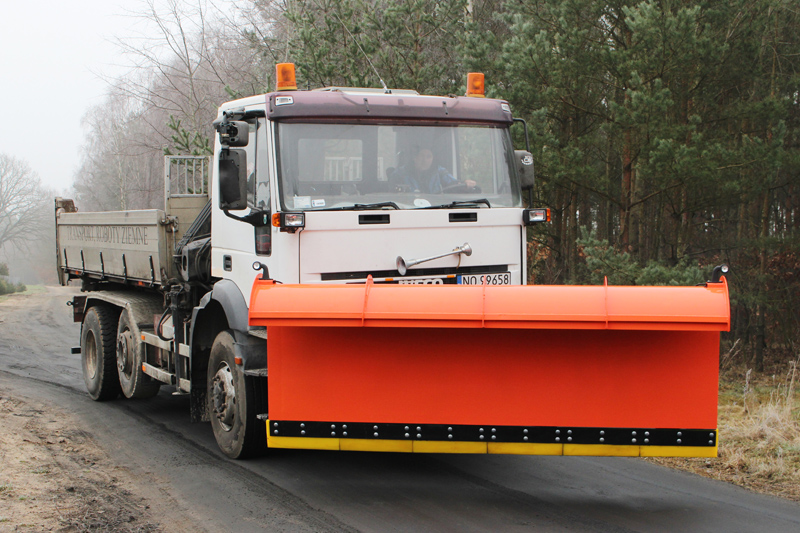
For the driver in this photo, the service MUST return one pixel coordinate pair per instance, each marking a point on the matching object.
(422, 176)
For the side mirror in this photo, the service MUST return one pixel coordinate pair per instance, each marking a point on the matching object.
(524, 168)
(232, 179)
(234, 133)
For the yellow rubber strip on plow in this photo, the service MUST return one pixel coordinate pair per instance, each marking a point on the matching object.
(602, 450)
(679, 451)
(437, 446)
(504, 448)
(302, 443)
(372, 445)
(518, 448)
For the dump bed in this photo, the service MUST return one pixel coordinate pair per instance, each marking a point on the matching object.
(132, 247)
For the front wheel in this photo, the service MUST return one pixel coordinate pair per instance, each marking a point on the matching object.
(233, 399)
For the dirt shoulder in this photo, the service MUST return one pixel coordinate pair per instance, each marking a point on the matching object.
(54, 477)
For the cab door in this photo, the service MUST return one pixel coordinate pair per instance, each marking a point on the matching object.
(237, 244)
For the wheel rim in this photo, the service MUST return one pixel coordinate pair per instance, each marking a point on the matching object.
(124, 359)
(91, 355)
(223, 397)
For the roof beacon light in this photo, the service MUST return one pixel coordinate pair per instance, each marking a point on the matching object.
(475, 85)
(285, 77)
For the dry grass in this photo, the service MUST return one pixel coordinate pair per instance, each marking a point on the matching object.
(759, 427)
(30, 289)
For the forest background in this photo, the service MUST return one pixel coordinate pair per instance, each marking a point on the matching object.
(665, 134)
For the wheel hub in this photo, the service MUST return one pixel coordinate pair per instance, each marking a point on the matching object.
(223, 397)
(124, 359)
(90, 355)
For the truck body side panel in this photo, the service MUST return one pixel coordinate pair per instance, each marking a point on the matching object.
(125, 246)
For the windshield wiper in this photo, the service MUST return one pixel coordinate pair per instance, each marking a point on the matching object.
(362, 207)
(460, 203)
(378, 205)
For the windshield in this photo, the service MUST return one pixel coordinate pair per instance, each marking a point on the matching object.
(374, 166)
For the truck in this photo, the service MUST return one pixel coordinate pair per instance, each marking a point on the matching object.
(348, 272)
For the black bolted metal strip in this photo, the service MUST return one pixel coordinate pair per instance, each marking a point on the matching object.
(344, 276)
(494, 433)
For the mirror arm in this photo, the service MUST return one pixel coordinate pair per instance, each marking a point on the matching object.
(256, 218)
(525, 128)
(234, 217)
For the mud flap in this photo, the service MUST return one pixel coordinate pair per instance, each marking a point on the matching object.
(567, 370)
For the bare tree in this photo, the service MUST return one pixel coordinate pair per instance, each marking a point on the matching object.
(198, 60)
(267, 30)
(119, 168)
(196, 57)
(24, 203)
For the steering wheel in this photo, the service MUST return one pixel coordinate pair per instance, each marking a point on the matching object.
(460, 188)
(403, 188)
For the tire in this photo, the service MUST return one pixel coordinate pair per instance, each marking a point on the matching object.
(133, 382)
(233, 401)
(98, 354)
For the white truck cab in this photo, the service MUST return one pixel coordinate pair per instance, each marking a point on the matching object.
(336, 185)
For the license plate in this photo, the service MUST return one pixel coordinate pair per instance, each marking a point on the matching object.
(501, 278)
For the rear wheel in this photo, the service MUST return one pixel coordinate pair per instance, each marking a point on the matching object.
(130, 350)
(233, 400)
(98, 354)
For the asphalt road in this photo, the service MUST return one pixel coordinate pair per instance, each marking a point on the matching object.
(348, 491)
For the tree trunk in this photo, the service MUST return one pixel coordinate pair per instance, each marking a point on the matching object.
(625, 200)
(572, 247)
(761, 311)
(685, 230)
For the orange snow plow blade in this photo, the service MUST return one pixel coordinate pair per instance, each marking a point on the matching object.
(545, 370)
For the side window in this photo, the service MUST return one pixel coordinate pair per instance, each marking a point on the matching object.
(260, 189)
(258, 182)
(251, 148)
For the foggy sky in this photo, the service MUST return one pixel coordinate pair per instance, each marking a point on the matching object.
(53, 54)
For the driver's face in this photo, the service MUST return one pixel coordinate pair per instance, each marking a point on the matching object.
(423, 159)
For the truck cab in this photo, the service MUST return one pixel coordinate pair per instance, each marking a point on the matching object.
(327, 186)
